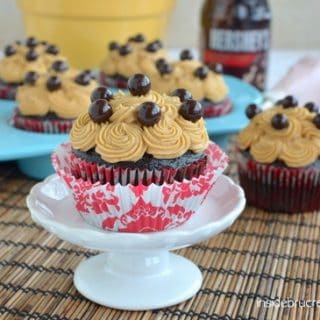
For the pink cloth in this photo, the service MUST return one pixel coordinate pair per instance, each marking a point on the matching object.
(302, 80)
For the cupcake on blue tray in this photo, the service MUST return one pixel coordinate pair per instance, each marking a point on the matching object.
(205, 84)
(49, 103)
(278, 157)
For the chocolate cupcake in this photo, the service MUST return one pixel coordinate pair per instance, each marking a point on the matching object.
(49, 103)
(22, 57)
(205, 84)
(145, 135)
(124, 60)
(278, 157)
(140, 162)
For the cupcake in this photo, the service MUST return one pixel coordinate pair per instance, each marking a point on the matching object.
(278, 157)
(135, 56)
(21, 57)
(139, 162)
(49, 103)
(206, 85)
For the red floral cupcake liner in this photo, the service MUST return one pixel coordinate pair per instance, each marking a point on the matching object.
(40, 125)
(138, 208)
(8, 92)
(112, 82)
(279, 189)
(211, 110)
(99, 173)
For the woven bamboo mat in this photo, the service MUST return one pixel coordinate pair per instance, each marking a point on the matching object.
(262, 259)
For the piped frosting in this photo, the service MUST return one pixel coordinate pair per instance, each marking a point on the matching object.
(66, 98)
(136, 59)
(297, 144)
(13, 67)
(124, 138)
(183, 75)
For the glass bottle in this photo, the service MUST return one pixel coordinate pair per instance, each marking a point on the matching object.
(236, 34)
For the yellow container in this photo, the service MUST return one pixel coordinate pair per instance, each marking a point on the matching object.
(82, 29)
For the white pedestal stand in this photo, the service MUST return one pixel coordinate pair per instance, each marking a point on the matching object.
(137, 272)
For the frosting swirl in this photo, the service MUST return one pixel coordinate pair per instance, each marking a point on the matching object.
(32, 100)
(311, 132)
(120, 141)
(297, 145)
(199, 138)
(166, 140)
(265, 150)
(123, 114)
(248, 136)
(83, 133)
(297, 152)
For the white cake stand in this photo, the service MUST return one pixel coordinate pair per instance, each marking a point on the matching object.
(137, 272)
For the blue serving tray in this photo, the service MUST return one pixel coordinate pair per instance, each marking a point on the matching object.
(32, 150)
(241, 94)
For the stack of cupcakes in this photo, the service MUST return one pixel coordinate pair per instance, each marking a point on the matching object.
(278, 157)
(22, 57)
(48, 103)
(139, 162)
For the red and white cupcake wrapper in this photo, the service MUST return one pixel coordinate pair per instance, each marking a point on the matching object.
(112, 82)
(7, 91)
(42, 126)
(279, 189)
(139, 208)
(113, 175)
(211, 110)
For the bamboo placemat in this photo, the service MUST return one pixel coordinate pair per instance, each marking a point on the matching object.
(263, 258)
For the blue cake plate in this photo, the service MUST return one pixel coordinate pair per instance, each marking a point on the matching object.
(32, 150)
(241, 93)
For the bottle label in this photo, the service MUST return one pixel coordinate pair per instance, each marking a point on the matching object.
(243, 53)
(239, 41)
